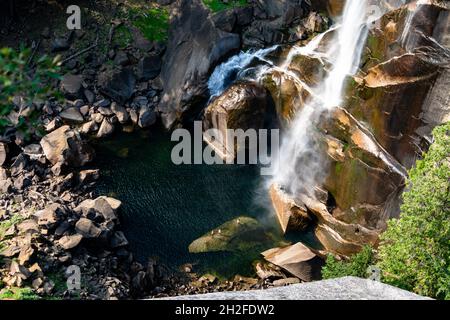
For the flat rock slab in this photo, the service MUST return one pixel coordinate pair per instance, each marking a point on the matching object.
(348, 288)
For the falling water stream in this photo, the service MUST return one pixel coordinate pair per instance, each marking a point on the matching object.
(300, 167)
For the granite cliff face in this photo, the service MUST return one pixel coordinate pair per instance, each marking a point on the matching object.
(390, 106)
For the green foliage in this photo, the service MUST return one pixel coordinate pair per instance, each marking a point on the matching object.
(59, 282)
(219, 5)
(18, 294)
(5, 225)
(415, 249)
(153, 23)
(18, 79)
(123, 36)
(356, 266)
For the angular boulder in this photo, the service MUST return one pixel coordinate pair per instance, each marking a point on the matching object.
(242, 106)
(70, 242)
(117, 84)
(64, 146)
(72, 86)
(149, 67)
(291, 216)
(104, 207)
(87, 228)
(72, 114)
(297, 259)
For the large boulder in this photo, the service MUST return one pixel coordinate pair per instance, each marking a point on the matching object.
(65, 147)
(195, 47)
(242, 106)
(290, 90)
(149, 67)
(117, 84)
(238, 234)
(87, 228)
(291, 216)
(70, 242)
(297, 259)
(104, 208)
(3, 153)
(72, 86)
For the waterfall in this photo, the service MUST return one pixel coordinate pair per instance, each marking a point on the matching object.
(407, 38)
(300, 166)
(233, 69)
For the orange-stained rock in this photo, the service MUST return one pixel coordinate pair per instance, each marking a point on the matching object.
(291, 216)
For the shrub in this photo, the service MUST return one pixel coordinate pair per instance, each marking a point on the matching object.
(18, 294)
(356, 266)
(32, 84)
(415, 249)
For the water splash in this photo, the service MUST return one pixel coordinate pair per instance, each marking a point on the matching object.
(226, 73)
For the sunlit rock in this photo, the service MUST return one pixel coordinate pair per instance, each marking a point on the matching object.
(297, 259)
(291, 216)
(337, 236)
(243, 106)
(290, 88)
(64, 147)
(238, 234)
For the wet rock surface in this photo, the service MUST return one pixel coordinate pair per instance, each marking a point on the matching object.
(242, 106)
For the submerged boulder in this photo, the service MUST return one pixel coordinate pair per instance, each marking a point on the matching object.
(238, 234)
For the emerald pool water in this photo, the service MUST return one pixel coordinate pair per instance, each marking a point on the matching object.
(166, 207)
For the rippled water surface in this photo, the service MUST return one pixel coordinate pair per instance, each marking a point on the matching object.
(166, 207)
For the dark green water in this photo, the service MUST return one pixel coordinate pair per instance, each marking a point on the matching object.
(166, 207)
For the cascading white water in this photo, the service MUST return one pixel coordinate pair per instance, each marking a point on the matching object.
(300, 166)
(233, 69)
